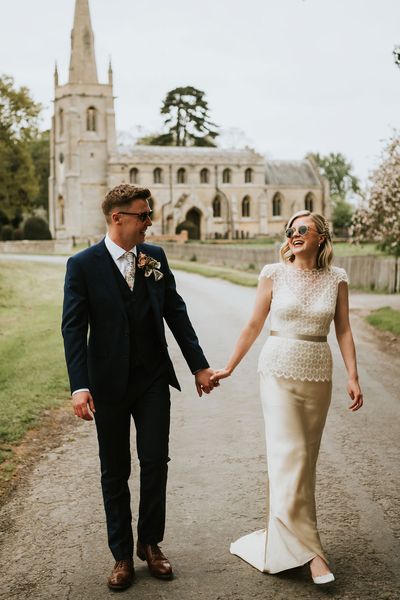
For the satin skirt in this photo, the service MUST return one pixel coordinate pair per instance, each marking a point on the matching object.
(294, 413)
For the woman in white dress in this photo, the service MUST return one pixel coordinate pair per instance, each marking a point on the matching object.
(303, 294)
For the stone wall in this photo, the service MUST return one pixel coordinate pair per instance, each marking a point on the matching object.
(36, 247)
(369, 272)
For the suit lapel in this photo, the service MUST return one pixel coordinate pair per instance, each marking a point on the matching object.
(150, 283)
(105, 268)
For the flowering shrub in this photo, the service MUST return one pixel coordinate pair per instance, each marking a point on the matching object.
(378, 219)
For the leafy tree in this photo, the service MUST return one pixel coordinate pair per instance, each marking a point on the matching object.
(40, 152)
(19, 118)
(338, 171)
(36, 228)
(187, 119)
(342, 215)
(378, 219)
(343, 183)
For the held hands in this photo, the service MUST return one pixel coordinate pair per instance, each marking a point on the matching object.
(83, 405)
(354, 391)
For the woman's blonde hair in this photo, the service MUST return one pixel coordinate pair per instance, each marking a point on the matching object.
(325, 251)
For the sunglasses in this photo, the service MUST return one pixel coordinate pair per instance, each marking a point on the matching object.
(143, 216)
(302, 230)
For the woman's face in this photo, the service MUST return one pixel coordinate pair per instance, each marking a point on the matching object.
(307, 244)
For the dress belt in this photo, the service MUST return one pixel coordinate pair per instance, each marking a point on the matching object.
(294, 336)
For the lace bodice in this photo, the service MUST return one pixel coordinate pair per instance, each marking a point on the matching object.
(303, 302)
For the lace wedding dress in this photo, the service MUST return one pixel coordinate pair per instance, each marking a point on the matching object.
(295, 368)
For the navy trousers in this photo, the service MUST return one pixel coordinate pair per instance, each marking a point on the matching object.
(148, 403)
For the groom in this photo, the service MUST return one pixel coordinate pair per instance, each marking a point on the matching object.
(120, 290)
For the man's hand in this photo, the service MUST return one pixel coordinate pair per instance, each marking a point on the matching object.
(203, 381)
(83, 405)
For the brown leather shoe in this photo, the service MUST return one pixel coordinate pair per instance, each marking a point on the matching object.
(122, 575)
(158, 564)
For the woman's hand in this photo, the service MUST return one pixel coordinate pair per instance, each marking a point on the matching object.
(354, 391)
(221, 374)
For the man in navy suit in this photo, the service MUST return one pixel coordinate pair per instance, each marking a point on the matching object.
(120, 291)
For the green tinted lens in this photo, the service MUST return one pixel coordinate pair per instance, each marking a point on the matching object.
(303, 229)
(289, 232)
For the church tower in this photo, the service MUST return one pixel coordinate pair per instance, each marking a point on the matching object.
(83, 138)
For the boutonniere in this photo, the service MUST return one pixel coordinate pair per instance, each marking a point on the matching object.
(150, 266)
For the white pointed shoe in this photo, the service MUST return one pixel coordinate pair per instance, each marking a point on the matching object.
(321, 579)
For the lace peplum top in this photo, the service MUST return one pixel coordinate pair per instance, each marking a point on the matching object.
(303, 302)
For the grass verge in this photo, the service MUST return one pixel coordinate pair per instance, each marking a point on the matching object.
(232, 275)
(385, 319)
(32, 369)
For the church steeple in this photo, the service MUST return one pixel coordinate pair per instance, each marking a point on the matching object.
(82, 66)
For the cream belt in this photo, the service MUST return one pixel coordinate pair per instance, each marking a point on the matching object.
(294, 336)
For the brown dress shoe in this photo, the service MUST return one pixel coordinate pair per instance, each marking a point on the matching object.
(122, 575)
(158, 564)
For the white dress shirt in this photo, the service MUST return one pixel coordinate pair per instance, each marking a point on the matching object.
(118, 256)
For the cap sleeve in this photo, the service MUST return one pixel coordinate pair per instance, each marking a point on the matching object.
(341, 275)
(268, 271)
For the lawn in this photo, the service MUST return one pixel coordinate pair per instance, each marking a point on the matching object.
(32, 369)
(386, 319)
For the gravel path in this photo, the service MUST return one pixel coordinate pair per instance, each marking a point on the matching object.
(53, 532)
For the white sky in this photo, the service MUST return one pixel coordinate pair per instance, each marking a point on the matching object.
(294, 75)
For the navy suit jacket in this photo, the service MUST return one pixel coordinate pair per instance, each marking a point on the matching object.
(95, 325)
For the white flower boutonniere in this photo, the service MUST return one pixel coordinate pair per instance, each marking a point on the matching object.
(150, 266)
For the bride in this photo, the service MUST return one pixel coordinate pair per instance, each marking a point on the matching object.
(303, 293)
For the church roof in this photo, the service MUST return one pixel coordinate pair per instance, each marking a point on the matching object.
(180, 154)
(290, 172)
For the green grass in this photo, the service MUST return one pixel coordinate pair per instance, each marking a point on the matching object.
(32, 369)
(386, 319)
(232, 275)
(346, 249)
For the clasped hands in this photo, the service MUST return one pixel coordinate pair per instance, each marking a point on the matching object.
(207, 379)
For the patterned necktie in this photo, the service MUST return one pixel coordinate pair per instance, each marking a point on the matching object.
(130, 270)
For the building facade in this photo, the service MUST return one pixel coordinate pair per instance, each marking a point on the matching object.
(213, 193)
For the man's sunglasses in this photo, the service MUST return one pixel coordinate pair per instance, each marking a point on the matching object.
(302, 230)
(143, 216)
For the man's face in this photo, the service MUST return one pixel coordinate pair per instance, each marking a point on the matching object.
(131, 227)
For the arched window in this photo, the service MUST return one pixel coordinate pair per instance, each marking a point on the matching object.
(91, 119)
(226, 176)
(248, 176)
(204, 176)
(61, 120)
(134, 175)
(61, 213)
(277, 205)
(216, 205)
(157, 175)
(246, 206)
(309, 202)
(181, 176)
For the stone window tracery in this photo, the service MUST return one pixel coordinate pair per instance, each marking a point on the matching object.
(248, 176)
(91, 119)
(246, 206)
(277, 205)
(134, 175)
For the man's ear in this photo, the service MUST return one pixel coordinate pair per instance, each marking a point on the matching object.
(115, 218)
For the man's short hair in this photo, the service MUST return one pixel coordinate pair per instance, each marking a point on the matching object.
(121, 196)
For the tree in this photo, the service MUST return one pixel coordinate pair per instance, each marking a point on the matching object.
(187, 119)
(338, 171)
(40, 152)
(378, 219)
(343, 183)
(19, 119)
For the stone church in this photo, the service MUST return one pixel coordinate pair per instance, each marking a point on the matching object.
(211, 192)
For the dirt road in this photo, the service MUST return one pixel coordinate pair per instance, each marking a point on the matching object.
(53, 532)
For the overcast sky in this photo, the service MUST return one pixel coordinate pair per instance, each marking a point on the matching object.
(294, 75)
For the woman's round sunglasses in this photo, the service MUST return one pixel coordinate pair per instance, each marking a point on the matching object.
(302, 230)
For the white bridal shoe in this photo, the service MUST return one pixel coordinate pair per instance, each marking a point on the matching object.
(324, 578)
